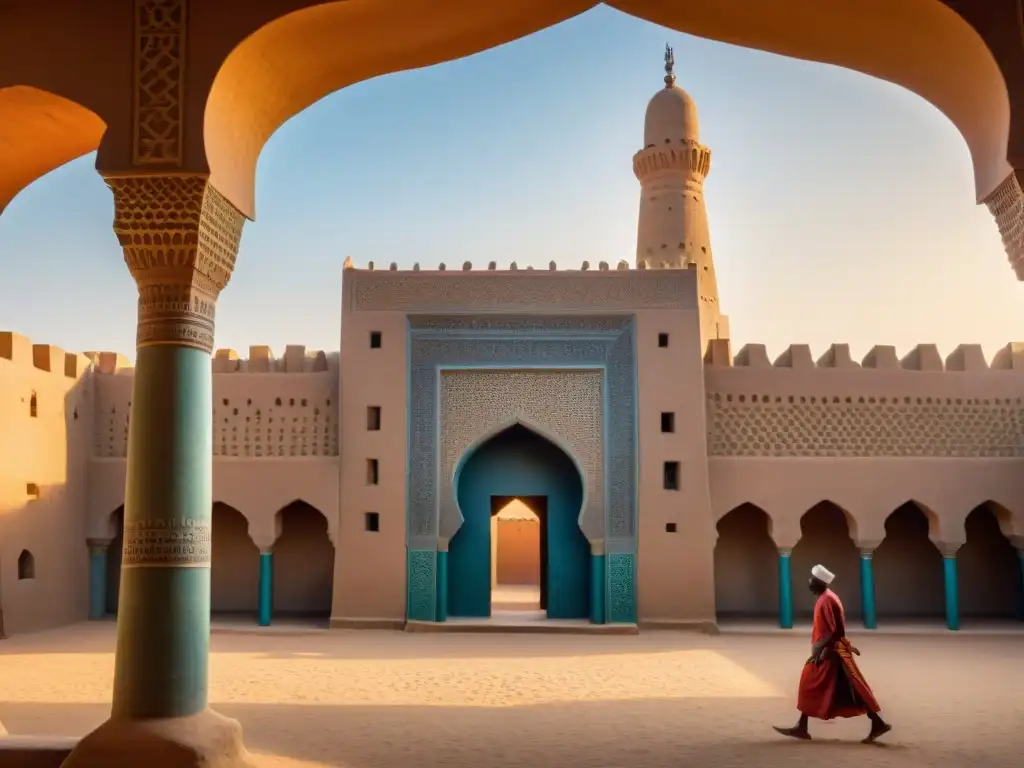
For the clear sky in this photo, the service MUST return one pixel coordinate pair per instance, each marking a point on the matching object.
(841, 207)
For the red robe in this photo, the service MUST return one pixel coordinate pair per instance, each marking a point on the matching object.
(835, 686)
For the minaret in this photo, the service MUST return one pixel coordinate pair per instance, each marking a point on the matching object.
(673, 224)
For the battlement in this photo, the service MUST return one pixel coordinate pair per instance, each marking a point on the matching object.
(492, 266)
(261, 359)
(966, 358)
(20, 350)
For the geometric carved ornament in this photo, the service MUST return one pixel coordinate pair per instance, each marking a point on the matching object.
(158, 135)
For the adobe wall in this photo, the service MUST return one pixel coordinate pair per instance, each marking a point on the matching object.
(869, 436)
(45, 410)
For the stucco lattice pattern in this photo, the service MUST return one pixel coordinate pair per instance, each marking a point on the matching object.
(621, 588)
(566, 404)
(421, 584)
(854, 426)
(1006, 204)
(250, 428)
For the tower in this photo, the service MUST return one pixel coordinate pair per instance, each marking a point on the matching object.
(672, 231)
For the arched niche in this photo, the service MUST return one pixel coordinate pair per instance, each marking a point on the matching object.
(907, 566)
(235, 571)
(303, 563)
(826, 537)
(26, 565)
(746, 565)
(989, 567)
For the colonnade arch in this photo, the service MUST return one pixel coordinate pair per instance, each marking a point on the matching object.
(304, 564)
(910, 575)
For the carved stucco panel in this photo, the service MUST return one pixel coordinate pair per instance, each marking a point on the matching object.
(567, 405)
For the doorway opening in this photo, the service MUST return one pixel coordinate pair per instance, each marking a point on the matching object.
(537, 482)
(519, 554)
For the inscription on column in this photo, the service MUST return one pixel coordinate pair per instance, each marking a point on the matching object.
(165, 543)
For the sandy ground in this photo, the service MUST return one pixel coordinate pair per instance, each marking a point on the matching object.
(660, 700)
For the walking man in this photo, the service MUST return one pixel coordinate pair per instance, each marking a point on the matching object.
(831, 685)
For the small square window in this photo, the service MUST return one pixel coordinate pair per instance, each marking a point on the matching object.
(662, 339)
(668, 421)
(671, 479)
(372, 472)
(372, 522)
(373, 418)
(670, 527)
(375, 339)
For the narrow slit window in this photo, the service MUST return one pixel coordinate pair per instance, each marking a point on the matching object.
(372, 472)
(372, 522)
(671, 476)
(373, 418)
(33, 406)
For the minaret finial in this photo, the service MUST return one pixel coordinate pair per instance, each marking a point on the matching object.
(670, 63)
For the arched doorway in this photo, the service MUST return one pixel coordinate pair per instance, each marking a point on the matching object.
(746, 565)
(235, 572)
(909, 579)
(303, 563)
(519, 463)
(988, 568)
(825, 538)
(114, 552)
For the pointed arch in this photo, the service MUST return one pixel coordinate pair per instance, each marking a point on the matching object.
(827, 535)
(235, 572)
(746, 564)
(989, 567)
(303, 562)
(536, 429)
(908, 565)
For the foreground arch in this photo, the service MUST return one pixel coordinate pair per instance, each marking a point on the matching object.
(826, 538)
(303, 564)
(989, 567)
(41, 131)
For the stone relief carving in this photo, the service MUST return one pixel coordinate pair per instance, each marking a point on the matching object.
(159, 82)
(567, 404)
(853, 427)
(1006, 204)
(180, 237)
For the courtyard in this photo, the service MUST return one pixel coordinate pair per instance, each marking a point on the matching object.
(390, 699)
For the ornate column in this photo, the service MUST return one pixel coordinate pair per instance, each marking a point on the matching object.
(98, 578)
(785, 588)
(266, 599)
(597, 614)
(441, 601)
(180, 238)
(867, 584)
(951, 585)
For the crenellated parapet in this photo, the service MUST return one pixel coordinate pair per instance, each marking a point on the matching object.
(920, 405)
(966, 358)
(491, 266)
(261, 359)
(20, 351)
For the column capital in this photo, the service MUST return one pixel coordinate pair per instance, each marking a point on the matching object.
(949, 548)
(98, 545)
(180, 238)
(867, 547)
(785, 551)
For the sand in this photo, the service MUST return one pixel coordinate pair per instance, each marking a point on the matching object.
(660, 700)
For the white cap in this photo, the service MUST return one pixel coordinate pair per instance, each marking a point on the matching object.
(822, 574)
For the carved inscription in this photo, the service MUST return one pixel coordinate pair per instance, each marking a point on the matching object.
(159, 82)
(163, 543)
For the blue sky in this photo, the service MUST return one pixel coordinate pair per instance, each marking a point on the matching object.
(841, 207)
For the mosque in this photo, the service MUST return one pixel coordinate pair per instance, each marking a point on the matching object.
(576, 445)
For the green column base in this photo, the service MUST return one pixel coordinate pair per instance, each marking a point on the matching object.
(441, 602)
(785, 591)
(867, 591)
(597, 566)
(266, 589)
(952, 592)
(97, 583)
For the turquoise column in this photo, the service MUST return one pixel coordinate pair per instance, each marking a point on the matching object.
(441, 603)
(867, 588)
(266, 604)
(785, 589)
(163, 626)
(98, 578)
(952, 589)
(597, 613)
